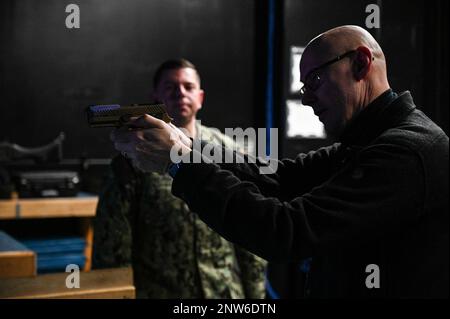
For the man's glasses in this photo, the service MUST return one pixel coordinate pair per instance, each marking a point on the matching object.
(313, 80)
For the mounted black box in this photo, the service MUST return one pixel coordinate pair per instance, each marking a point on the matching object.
(46, 183)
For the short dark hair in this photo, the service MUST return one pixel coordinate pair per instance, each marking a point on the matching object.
(171, 65)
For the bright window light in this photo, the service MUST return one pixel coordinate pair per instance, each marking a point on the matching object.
(302, 122)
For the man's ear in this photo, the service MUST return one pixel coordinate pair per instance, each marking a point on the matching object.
(363, 62)
(202, 97)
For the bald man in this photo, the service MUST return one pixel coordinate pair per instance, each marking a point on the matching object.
(343, 71)
(370, 211)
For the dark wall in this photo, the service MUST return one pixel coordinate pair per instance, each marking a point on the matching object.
(49, 73)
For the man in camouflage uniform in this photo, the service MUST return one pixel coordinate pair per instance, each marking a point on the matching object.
(139, 221)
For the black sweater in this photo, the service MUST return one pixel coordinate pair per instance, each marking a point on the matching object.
(380, 196)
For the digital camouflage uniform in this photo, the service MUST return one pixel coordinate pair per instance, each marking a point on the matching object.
(173, 253)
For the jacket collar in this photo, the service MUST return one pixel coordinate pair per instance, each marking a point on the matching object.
(383, 113)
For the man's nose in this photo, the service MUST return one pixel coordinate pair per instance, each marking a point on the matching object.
(179, 91)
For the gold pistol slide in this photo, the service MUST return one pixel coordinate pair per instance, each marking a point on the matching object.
(115, 115)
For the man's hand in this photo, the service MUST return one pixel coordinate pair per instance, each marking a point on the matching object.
(147, 142)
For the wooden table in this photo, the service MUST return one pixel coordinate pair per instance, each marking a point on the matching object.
(115, 283)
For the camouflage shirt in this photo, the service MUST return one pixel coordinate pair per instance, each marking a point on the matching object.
(172, 252)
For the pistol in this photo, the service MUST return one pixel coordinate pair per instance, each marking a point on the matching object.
(115, 115)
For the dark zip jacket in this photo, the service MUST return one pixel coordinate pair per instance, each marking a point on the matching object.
(371, 211)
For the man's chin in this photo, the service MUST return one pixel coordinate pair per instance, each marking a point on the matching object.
(182, 120)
